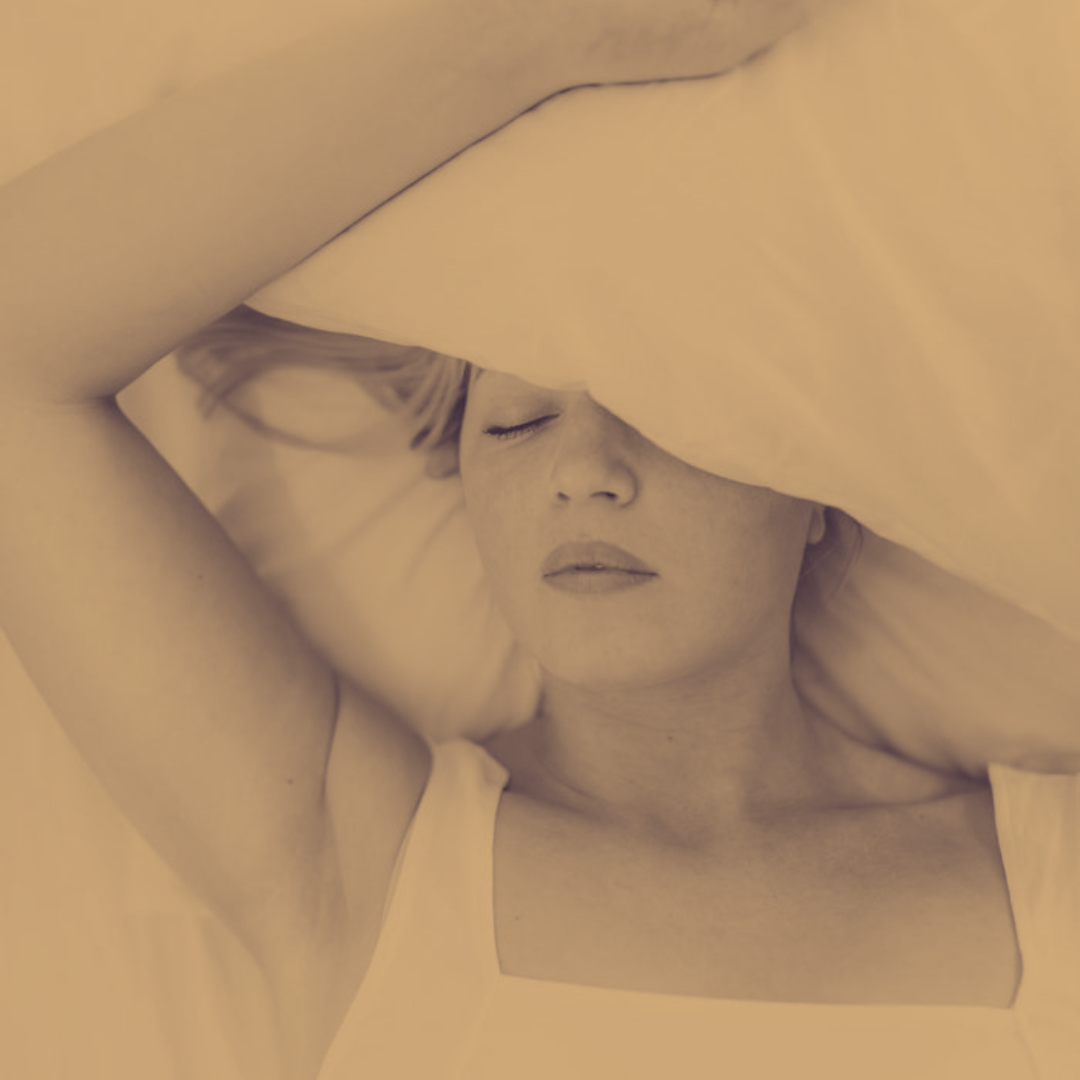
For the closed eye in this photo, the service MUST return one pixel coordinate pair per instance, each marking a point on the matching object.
(517, 430)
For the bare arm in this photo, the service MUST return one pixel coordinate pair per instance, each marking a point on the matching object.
(206, 714)
(147, 231)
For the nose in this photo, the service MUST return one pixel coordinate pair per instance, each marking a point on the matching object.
(592, 456)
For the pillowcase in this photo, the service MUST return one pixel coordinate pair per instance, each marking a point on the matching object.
(373, 556)
(375, 559)
(849, 272)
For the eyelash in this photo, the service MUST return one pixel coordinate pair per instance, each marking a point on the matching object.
(517, 430)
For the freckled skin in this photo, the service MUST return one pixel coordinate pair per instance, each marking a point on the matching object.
(727, 555)
(673, 785)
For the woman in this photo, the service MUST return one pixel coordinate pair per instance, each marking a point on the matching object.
(674, 821)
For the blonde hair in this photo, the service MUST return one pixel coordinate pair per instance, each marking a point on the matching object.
(424, 388)
(427, 391)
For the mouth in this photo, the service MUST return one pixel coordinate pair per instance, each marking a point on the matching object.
(594, 567)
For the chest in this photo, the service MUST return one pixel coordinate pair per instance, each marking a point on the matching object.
(886, 908)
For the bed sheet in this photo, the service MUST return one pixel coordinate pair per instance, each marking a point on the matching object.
(109, 965)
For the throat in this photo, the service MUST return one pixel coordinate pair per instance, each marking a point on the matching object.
(686, 785)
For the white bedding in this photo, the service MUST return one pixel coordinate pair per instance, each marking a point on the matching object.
(849, 272)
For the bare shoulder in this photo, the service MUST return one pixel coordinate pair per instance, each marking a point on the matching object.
(946, 812)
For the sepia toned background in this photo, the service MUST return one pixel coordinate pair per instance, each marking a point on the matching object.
(108, 967)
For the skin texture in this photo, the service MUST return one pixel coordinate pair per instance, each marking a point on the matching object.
(675, 819)
(279, 795)
(726, 555)
(220, 731)
(692, 656)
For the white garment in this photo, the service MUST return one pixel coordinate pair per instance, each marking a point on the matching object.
(435, 1005)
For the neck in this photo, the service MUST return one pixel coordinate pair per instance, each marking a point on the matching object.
(675, 758)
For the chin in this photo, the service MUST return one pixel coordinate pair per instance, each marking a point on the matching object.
(626, 673)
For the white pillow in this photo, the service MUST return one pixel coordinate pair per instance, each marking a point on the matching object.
(376, 560)
(850, 272)
(373, 556)
(847, 271)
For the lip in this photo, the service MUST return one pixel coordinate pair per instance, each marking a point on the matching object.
(597, 582)
(594, 559)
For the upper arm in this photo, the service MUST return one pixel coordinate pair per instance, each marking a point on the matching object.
(189, 690)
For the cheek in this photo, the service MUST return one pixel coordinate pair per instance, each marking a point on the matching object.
(731, 556)
(510, 555)
(497, 516)
(747, 543)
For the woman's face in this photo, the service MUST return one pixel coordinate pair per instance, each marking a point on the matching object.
(616, 564)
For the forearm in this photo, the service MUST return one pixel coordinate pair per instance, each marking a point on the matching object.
(115, 250)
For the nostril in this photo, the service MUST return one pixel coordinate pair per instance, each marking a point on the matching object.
(586, 467)
(611, 496)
